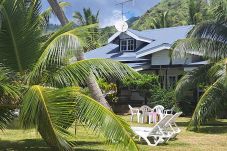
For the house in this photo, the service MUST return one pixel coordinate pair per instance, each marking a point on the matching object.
(149, 51)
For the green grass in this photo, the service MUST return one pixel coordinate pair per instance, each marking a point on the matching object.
(211, 137)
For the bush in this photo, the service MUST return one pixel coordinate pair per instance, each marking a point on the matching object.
(143, 82)
(162, 97)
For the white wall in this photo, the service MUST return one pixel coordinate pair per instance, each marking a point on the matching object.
(160, 58)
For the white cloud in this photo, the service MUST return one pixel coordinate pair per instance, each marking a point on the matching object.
(115, 17)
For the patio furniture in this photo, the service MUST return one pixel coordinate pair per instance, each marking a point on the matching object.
(152, 117)
(134, 111)
(146, 112)
(157, 133)
(169, 111)
(172, 126)
(159, 109)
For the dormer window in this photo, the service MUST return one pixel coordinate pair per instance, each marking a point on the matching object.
(127, 45)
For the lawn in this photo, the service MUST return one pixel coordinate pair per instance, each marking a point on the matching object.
(212, 137)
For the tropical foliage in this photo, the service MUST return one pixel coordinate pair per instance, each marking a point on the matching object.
(49, 95)
(161, 22)
(143, 84)
(88, 18)
(207, 39)
(178, 13)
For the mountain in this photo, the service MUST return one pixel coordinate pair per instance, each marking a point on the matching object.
(177, 13)
(131, 20)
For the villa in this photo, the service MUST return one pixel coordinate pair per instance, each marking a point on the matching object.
(148, 51)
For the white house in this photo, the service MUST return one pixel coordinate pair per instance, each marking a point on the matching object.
(148, 51)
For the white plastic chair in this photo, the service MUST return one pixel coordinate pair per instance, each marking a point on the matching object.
(133, 112)
(159, 109)
(146, 111)
(157, 133)
(169, 111)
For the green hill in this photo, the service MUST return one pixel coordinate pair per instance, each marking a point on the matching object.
(178, 13)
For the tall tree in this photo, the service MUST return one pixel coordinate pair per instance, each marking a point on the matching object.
(91, 81)
(161, 22)
(87, 18)
(208, 39)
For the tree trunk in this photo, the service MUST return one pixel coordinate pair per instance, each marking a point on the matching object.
(91, 81)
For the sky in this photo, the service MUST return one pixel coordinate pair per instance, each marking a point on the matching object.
(110, 13)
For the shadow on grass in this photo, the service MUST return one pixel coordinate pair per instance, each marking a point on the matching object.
(213, 129)
(40, 145)
(24, 145)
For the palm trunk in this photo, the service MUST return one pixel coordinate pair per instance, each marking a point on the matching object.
(91, 81)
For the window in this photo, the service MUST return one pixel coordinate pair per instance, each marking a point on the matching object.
(127, 45)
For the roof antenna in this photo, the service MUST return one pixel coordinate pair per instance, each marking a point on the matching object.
(122, 7)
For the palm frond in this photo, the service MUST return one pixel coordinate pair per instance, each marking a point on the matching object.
(6, 115)
(19, 37)
(60, 46)
(191, 80)
(9, 97)
(208, 39)
(52, 111)
(209, 105)
(41, 111)
(9, 92)
(102, 68)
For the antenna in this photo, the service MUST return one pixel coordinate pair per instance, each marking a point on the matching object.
(122, 7)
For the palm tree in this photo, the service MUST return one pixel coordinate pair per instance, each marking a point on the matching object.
(50, 94)
(161, 22)
(208, 39)
(87, 18)
(91, 82)
(194, 11)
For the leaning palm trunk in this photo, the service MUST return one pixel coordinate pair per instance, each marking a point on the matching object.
(91, 82)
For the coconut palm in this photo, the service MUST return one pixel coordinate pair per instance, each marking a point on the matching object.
(87, 18)
(50, 96)
(208, 39)
(91, 82)
(161, 22)
(194, 11)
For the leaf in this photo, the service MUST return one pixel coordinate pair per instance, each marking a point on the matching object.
(19, 35)
(78, 72)
(209, 105)
(52, 110)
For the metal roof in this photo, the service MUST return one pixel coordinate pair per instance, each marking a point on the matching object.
(160, 39)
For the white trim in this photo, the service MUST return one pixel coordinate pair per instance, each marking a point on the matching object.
(129, 34)
(127, 45)
(160, 48)
(114, 36)
(142, 68)
(189, 69)
(137, 37)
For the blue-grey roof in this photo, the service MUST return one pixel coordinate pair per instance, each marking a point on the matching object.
(159, 37)
(164, 36)
(111, 51)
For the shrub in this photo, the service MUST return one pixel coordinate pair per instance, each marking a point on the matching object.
(162, 97)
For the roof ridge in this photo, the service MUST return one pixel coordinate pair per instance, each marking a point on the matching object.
(166, 28)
